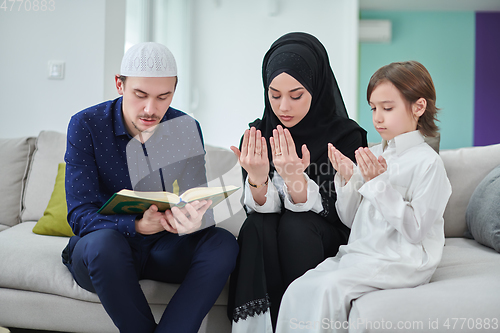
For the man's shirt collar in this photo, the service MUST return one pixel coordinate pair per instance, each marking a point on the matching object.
(119, 123)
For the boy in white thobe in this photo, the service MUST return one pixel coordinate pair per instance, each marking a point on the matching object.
(394, 202)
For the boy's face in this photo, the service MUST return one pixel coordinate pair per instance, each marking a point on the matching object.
(145, 101)
(392, 115)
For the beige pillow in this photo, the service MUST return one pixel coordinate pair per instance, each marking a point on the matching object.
(14, 162)
(49, 152)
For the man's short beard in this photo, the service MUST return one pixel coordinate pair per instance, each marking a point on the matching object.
(147, 131)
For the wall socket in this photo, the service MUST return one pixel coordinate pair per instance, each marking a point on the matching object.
(56, 70)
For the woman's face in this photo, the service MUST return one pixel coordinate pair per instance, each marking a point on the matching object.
(289, 99)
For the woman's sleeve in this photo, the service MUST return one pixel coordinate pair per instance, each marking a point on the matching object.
(313, 203)
(272, 204)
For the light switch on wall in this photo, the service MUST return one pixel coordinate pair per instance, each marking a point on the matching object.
(56, 70)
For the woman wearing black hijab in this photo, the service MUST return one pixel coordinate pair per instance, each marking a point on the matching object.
(292, 224)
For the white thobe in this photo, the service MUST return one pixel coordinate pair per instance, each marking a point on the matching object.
(396, 240)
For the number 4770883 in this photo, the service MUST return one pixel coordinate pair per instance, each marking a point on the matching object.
(471, 324)
(28, 5)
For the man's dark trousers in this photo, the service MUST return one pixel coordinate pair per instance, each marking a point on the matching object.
(109, 264)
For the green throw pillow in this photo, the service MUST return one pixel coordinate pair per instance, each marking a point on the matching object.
(54, 220)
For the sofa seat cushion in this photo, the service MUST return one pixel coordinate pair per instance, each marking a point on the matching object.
(33, 262)
(465, 285)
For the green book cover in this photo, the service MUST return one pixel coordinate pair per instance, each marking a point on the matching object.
(136, 202)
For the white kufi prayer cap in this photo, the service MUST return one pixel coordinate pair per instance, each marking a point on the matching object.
(148, 60)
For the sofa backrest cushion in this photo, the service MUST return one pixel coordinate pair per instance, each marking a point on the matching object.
(466, 168)
(15, 156)
(223, 169)
(49, 152)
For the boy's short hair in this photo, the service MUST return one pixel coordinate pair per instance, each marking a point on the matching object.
(413, 81)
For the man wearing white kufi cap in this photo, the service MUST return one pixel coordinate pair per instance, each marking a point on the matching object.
(139, 142)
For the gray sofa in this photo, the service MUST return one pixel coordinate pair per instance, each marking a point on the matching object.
(38, 292)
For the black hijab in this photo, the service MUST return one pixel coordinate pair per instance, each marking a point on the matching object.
(304, 57)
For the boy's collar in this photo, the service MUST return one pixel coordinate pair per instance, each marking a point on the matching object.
(404, 141)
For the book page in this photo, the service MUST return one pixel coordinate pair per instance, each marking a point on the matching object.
(199, 193)
(158, 196)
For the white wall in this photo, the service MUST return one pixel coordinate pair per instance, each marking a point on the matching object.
(114, 41)
(172, 27)
(225, 41)
(83, 34)
(229, 40)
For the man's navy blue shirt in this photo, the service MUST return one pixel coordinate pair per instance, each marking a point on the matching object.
(102, 158)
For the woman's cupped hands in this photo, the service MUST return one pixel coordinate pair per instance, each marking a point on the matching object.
(285, 159)
(253, 156)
